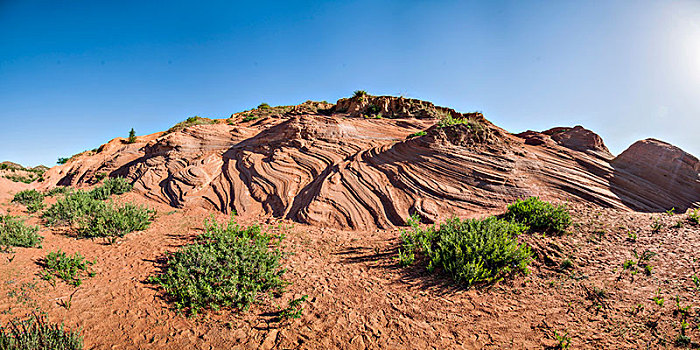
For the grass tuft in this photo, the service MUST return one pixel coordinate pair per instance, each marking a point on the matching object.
(36, 333)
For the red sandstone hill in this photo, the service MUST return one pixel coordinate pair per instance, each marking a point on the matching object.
(371, 161)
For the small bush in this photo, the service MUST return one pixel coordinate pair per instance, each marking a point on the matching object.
(34, 207)
(62, 160)
(15, 233)
(416, 134)
(28, 197)
(470, 251)
(360, 93)
(539, 215)
(112, 222)
(116, 185)
(66, 267)
(227, 266)
(71, 208)
(373, 109)
(56, 191)
(36, 333)
(264, 106)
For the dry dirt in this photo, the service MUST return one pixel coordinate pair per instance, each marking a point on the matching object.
(360, 298)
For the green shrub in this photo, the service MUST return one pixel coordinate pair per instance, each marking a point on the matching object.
(14, 233)
(34, 207)
(115, 185)
(264, 106)
(66, 267)
(71, 208)
(470, 251)
(112, 221)
(27, 197)
(36, 333)
(96, 218)
(227, 266)
(56, 190)
(416, 134)
(196, 120)
(373, 109)
(132, 136)
(694, 216)
(539, 215)
(27, 179)
(62, 160)
(250, 117)
(360, 93)
(449, 120)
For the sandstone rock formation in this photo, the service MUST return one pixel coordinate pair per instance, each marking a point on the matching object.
(330, 165)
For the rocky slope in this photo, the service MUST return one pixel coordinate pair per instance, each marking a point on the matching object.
(371, 161)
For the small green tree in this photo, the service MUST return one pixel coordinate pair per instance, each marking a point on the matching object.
(132, 136)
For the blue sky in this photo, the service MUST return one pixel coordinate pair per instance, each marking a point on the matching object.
(75, 74)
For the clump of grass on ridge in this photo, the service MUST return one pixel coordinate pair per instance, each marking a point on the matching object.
(196, 120)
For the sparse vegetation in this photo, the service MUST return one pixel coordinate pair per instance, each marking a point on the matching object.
(56, 191)
(416, 134)
(264, 106)
(656, 226)
(36, 333)
(228, 266)
(294, 308)
(191, 121)
(470, 251)
(566, 264)
(32, 199)
(116, 185)
(15, 233)
(694, 216)
(112, 222)
(360, 93)
(563, 340)
(66, 267)
(96, 218)
(250, 117)
(62, 160)
(538, 215)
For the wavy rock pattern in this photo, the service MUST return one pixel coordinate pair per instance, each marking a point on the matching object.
(337, 168)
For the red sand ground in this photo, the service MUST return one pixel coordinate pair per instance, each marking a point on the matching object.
(359, 298)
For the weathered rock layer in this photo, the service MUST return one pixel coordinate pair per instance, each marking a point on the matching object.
(334, 166)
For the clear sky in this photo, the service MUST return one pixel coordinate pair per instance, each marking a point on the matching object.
(75, 74)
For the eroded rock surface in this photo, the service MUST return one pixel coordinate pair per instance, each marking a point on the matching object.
(332, 166)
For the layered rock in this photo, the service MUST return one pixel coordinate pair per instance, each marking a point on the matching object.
(662, 170)
(330, 166)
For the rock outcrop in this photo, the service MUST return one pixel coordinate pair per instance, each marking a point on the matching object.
(656, 169)
(330, 165)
